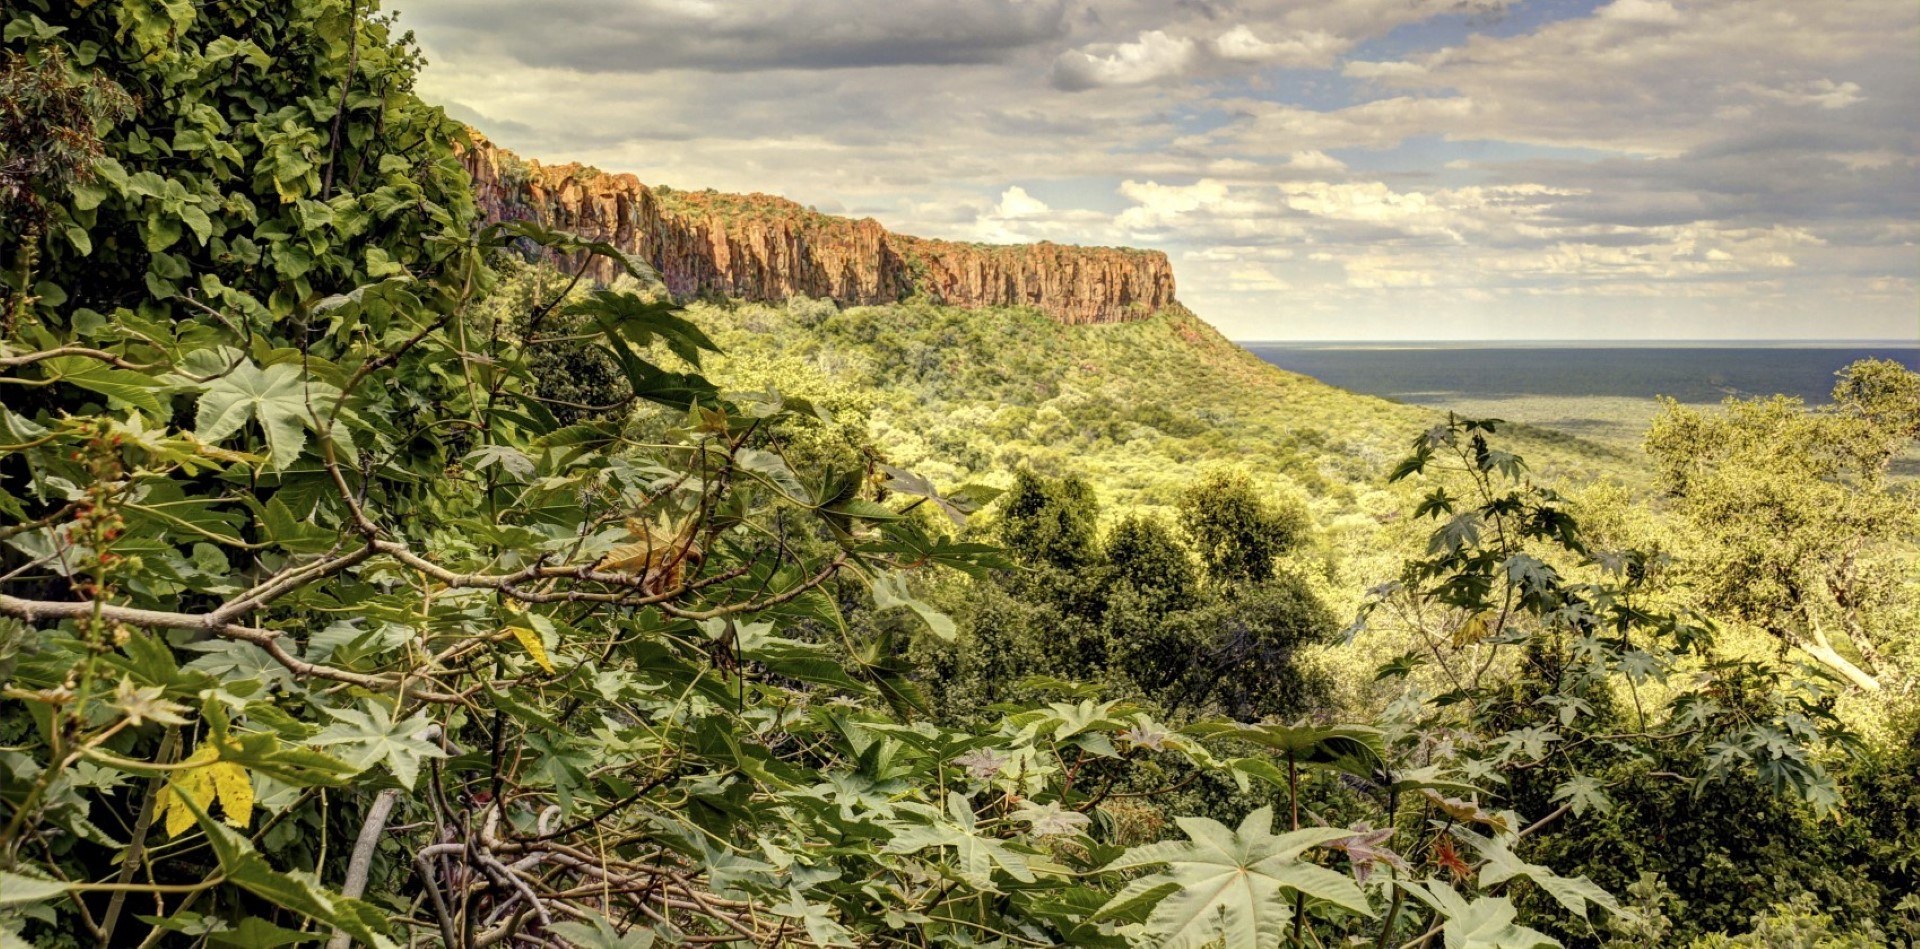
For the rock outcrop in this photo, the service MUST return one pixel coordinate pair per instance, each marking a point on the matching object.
(761, 247)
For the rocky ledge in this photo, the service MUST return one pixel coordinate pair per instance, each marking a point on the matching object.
(762, 247)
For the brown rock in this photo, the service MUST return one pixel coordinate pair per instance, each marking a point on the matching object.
(762, 247)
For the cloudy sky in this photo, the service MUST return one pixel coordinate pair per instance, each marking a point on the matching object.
(1316, 169)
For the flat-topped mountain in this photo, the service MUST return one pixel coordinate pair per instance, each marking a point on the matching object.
(762, 247)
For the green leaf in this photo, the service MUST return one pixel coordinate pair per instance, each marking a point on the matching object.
(298, 891)
(277, 397)
(297, 534)
(890, 590)
(17, 890)
(815, 918)
(1233, 884)
(1486, 923)
(162, 231)
(372, 737)
(139, 390)
(1502, 864)
(976, 853)
(596, 933)
(1356, 749)
(197, 221)
(256, 933)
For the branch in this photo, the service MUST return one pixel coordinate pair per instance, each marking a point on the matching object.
(15, 362)
(362, 860)
(40, 611)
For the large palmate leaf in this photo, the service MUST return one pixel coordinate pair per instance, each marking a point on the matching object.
(1502, 864)
(977, 853)
(372, 737)
(596, 933)
(137, 389)
(1355, 748)
(1238, 885)
(890, 590)
(1484, 923)
(280, 398)
(17, 890)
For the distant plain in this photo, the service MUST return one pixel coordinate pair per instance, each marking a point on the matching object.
(1606, 392)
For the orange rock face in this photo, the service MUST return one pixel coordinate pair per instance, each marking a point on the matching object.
(761, 247)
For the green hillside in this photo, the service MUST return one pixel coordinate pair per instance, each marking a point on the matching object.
(1137, 408)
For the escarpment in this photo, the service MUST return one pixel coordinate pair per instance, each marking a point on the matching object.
(761, 247)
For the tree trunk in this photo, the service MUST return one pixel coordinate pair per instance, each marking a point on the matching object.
(1820, 649)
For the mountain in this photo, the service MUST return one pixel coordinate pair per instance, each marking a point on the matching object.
(971, 360)
(759, 247)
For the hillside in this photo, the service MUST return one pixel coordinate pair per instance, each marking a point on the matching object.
(1136, 406)
(1139, 409)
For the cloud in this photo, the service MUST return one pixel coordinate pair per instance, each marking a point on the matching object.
(642, 36)
(1309, 49)
(1824, 93)
(1743, 167)
(1639, 11)
(1316, 161)
(1657, 79)
(1019, 217)
(1157, 56)
(1280, 130)
(1152, 57)
(1017, 203)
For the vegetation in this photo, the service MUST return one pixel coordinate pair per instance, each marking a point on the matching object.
(365, 583)
(1797, 528)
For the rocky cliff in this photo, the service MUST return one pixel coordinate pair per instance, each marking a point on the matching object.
(761, 247)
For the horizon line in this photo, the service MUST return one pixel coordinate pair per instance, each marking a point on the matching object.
(1601, 343)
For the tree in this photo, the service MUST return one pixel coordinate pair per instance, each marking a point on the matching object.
(1144, 555)
(1238, 533)
(1794, 525)
(1050, 522)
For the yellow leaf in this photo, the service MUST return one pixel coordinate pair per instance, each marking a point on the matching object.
(205, 780)
(235, 791)
(633, 558)
(652, 545)
(1472, 631)
(530, 641)
(194, 783)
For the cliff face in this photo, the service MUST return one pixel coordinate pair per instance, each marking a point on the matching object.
(760, 247)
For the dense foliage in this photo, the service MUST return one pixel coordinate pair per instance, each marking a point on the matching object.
(364, 583)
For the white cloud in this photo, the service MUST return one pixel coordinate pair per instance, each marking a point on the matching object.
(1639, 11)
(1152, 57)
(1301, 50)
(1256, 279)
(1652, 78)
(1015, 202)
(1314, 160)
(1159, 55)
(644, 36)
(1823, 93)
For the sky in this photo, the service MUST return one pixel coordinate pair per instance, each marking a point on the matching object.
(1315, 169)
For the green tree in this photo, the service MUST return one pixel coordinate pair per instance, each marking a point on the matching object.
(1793, 524)
(1050, 522)
(1238, 534)
(1144, 555)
